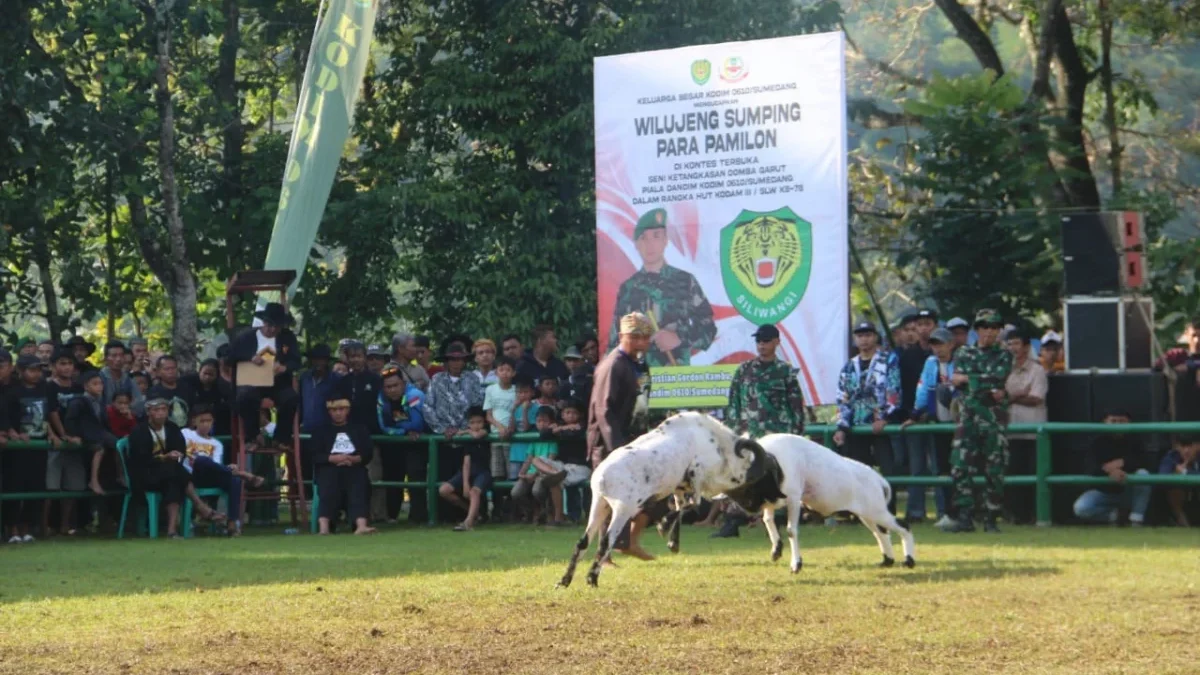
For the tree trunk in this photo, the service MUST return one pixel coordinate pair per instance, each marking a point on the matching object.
(975, 37)
(1079, 181)
(41, 257)
(180, 284)
(110, 251)
(229, 195)
(1110, 99)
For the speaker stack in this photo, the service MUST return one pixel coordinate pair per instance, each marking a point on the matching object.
(1108, 325)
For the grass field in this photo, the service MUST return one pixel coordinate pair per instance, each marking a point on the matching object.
(1030, 600)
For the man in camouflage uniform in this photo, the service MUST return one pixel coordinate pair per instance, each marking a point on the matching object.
(979, 439)
(764, 396)
(679, 313)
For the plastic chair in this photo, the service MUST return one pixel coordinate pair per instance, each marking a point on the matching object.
(154, 501)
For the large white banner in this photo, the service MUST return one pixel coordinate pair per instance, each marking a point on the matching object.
(721, 206)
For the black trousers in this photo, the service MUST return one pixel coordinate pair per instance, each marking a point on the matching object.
(1021, 499)
(249, 402)
(872, 450)
(343, 487)
(165, 476)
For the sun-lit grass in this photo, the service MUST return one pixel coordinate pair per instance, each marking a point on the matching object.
(1055, 600)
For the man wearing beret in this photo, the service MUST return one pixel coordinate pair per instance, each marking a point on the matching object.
(681, 319)
(981, 370)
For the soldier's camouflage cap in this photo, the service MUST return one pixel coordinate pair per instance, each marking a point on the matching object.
(988, 317)
(636, 323)
(653, 219)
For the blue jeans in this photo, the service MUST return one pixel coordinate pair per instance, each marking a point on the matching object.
(208, 474)
(1101, 507)
(918, 453)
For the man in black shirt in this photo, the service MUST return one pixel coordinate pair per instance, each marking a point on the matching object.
(341, 452)
(65, 469)
(912, 450)
(540, 362)
(273, 342)
(1115, 456)
(176, 392)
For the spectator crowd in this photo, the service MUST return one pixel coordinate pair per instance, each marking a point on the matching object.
(481, 394)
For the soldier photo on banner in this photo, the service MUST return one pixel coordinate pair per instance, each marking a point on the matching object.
(679, 312)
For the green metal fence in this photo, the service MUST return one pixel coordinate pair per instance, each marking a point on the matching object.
(1043, 480)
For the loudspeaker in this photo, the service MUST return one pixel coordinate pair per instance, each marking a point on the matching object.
(1087, 398)
(1102, 253)
(1111, 334)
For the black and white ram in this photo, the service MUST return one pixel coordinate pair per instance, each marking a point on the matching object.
(688, 452)
(796, 472)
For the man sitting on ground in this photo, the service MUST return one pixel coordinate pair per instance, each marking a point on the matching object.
(1115, 456)
(1184, 458)
(341, 452)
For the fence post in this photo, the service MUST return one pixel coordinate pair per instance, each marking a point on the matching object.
(431, 481)
(827, 438)
(1043, 472)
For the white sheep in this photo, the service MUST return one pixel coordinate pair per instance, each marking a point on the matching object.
(689, 452)
(801, 472)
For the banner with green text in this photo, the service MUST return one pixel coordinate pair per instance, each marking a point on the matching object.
(721, 206)
(340, 49)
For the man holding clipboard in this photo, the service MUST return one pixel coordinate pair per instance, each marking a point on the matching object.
(267, 357)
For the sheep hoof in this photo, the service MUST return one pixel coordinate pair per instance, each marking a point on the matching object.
(909, 562)
(564, 583)
(796, 567)
(673, 547)
(593, 580)
(777, 552)
(887, 562)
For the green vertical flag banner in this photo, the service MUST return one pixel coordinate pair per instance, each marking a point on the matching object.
(340, 49)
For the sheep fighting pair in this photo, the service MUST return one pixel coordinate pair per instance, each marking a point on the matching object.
(693, 453)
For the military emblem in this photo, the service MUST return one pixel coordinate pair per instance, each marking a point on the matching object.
(734, 69)
(701, 71)
(766, 259)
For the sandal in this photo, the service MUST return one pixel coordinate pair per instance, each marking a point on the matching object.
(462, 527)
(213, 516)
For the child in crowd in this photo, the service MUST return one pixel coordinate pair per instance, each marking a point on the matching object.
(572, 456)
(141, 380)
(499, 400)
(547, 389)
(85, 420)
(523, 419)
(120, 415)
(465, 489)
(541, 475)
(203, 460)
(25, 470)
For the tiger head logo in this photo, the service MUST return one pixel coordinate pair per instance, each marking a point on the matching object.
(766, 261)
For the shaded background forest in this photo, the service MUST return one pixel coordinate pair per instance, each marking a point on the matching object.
(143, 144)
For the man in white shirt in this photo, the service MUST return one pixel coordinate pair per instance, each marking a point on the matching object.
(1026, 387)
